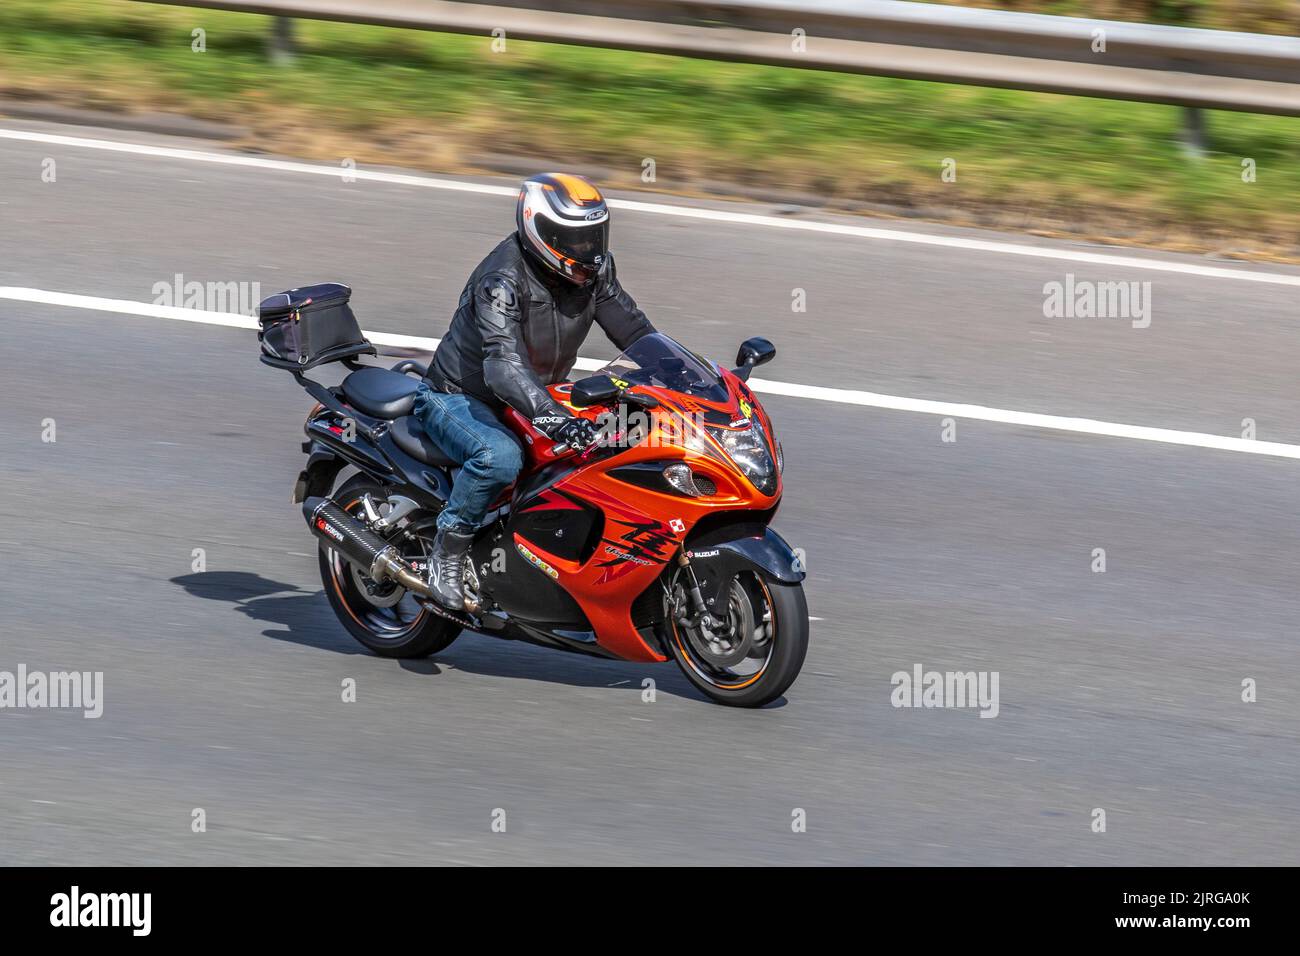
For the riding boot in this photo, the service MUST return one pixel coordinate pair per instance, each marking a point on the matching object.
(447, 568)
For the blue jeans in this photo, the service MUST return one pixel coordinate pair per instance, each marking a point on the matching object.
(470, 433)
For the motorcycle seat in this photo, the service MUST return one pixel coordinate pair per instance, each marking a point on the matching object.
(411, 438)
(379, 392)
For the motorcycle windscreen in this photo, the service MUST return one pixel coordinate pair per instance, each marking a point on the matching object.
(659, 361)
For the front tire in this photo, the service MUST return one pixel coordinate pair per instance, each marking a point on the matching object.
(389, 622)
(759, 655)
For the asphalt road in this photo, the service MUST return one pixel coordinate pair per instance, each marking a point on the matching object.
(1118, 690)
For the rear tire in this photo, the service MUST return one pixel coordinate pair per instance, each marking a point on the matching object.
(770, 677)
(379, 625)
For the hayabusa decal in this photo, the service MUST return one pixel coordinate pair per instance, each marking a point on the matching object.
(643, 540)
(622, 556)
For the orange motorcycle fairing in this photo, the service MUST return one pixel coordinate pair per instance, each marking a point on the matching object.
(641, 529)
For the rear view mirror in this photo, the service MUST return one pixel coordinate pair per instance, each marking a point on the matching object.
(753, 352)
(595, 390)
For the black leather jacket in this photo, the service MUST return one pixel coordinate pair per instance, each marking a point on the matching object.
(518, 328)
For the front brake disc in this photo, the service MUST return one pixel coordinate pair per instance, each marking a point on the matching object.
(730, 644)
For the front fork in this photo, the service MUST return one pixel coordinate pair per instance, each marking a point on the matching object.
(700, 618)
(710, 568)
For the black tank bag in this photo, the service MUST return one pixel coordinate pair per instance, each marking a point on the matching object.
(306, 327)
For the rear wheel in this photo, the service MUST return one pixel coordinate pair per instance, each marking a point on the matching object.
(754, 654)
(386, 618)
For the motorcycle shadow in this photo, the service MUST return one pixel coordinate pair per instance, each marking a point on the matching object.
(304, 618)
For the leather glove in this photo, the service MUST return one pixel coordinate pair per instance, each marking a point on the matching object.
(577, 433)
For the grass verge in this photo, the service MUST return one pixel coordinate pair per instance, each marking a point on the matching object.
(1036, 162)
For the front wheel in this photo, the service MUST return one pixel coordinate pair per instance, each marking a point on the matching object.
(755, 654)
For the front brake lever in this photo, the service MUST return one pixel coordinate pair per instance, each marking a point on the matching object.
(585, 453)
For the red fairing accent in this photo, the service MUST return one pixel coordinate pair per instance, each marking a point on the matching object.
(548, 500)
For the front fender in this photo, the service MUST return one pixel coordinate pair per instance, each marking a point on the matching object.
(768, 555)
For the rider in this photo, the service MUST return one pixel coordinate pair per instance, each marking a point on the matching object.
(522, 317)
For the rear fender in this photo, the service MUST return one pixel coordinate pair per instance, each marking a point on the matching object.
(316, 480)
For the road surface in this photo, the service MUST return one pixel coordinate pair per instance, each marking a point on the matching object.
(1119, 690)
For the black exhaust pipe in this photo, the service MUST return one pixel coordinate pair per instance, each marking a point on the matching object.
(360, 546)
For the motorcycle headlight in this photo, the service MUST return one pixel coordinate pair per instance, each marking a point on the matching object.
(748, 448)
(773, 444)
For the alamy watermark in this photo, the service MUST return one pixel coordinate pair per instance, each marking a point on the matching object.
(238, 298)
(1083, 299)
(53, 690)
(626, 429)
(922, 688)
(74, 909)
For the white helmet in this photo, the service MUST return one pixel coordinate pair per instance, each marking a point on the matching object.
(563, 220)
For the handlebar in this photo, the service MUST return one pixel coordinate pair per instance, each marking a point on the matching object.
(626, 396)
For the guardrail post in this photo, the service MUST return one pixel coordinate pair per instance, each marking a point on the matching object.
(1195, 143)
(281, 43)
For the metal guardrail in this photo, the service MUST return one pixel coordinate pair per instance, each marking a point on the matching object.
(1178, 66)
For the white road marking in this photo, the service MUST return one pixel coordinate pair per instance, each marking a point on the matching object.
(664, 209)
(1086, 426)
(129, 307)
(843, 396)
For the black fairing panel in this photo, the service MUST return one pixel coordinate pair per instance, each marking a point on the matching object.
(516, 586)
(356, 451)
(385, 461)
(559, 524)
(431, 484)
(533, 485)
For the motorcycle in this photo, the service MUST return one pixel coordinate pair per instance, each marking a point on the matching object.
(652, 544)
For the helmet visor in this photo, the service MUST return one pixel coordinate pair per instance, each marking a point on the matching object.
(584, 243)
